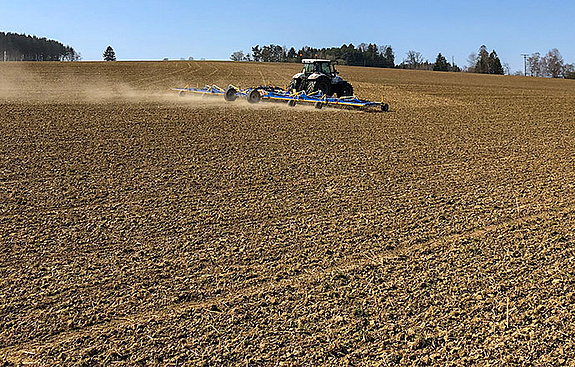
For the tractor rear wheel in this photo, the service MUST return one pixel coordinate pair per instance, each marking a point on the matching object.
(294, 84)
(344, 89)
(321, 85)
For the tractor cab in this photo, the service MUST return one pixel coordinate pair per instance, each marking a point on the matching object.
(320, 66)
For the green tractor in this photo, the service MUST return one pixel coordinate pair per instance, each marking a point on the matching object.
(320, 76)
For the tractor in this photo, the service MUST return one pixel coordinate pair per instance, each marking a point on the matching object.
(320, 76)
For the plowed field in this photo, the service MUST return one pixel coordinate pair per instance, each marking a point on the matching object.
(140, 228)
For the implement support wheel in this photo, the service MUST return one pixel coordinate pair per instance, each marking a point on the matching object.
(230, 94)
(385, 107)
(318, 105)
(254, 96)
(291, 103)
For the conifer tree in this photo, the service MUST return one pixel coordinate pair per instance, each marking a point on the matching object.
(109, 54)
(488, 63)
(389, 57)
(440, 63)
(495, 66)
(482, 65)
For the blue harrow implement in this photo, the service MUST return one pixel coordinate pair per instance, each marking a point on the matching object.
(275, 94)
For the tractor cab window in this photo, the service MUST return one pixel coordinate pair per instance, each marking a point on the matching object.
(325, 68)
(308, 68)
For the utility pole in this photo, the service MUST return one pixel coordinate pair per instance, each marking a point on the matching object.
(525, 62)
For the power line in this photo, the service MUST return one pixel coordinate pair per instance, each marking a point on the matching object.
(525, 63)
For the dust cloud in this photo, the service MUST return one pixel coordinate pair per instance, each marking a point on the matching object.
(28, 83)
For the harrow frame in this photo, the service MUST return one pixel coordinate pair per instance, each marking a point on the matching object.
(276, 94)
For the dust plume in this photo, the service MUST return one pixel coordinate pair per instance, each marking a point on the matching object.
(87, 82)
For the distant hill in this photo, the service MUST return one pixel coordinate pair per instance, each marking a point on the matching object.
(21, 47)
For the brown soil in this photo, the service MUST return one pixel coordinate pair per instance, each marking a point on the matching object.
(140, 228)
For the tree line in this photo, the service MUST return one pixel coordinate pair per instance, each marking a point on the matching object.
(415, 60)
(371, 55)
(21, 47)
(483, 62)
(362, 55)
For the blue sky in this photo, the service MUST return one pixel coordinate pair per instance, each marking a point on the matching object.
(154, 29)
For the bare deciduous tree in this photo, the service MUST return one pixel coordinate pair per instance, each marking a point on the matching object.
(535, 65)
(553, 63)
(414, 59)
(237, 56)
(569, 71)
(472, 62)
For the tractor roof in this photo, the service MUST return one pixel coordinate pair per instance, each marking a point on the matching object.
(313, 61)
